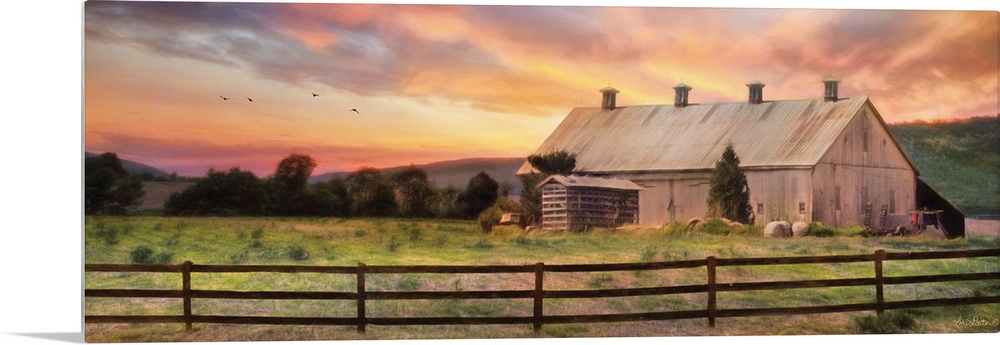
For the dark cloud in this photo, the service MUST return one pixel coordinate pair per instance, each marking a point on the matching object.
(372, 51)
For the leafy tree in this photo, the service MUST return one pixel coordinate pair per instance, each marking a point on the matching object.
(446, 203)
(415, 192)
(371, 193)
(108, 187)
(290, 179)
(558, 162)
(531, 196)
(221, 193)
(728, 193)
(332, 198)
(479, 194)
(491, 216)
(554, 163)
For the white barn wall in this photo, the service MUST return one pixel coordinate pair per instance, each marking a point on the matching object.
(668, 197)
(876, 176)
(778, 192)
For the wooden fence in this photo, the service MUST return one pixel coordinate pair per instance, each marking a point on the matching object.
(539, 294)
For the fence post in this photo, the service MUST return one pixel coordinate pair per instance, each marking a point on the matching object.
(879, 295)
(710, 265)
(539, 277)
(362, 318)
(186, 287)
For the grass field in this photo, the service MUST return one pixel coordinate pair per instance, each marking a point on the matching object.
(345, 242)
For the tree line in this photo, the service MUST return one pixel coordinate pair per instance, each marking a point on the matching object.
(368, 192)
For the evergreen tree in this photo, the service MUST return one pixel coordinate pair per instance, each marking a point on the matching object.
(729, 194)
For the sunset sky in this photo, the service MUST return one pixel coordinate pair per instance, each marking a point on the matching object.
(444, 82)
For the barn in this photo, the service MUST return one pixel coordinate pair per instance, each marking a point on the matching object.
(827, 159)
(579, 203)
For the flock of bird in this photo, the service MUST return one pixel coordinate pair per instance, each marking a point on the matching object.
(224, 98)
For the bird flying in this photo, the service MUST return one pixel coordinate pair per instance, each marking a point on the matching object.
(356, 111)
(315, 95)
(248, 98)
(224, 98)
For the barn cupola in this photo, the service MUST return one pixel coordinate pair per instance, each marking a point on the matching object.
(681, 92)
(756, 91)
(830, 89)
(608, 99)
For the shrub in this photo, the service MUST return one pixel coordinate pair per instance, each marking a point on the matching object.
(488, 218)
(142, 255)
(297, 253)
(163, 257)
(887, 323)
(649, 253)
(108, 235)
(393, 244)
(239, 257)
(714, 226)
(600, 281)
(409, 283)
(257, 233)
(482, 244)
(491, 215)
(413, 231)
(819, 229)
(676, 228)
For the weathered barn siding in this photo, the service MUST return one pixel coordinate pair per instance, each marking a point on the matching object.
(809, 160)
(580, 203)
(668, 197)
(776, 194)
(864, 165)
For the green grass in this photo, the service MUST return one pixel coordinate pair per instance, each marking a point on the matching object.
(346, 242)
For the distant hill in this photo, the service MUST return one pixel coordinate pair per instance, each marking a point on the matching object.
(136, 168)
(960, 159)
(457, 173)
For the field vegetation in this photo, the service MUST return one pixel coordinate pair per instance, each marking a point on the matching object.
(960, 159)
(397, 241)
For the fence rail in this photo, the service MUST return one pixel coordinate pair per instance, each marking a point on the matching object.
(538, 294)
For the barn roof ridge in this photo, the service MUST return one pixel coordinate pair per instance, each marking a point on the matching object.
(664, 137)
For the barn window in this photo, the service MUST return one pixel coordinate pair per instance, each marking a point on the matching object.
(760, 208)
(836, 197)
(802, 207)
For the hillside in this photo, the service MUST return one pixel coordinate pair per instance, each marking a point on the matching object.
(457, 173)
(960, 159)
(137, 168)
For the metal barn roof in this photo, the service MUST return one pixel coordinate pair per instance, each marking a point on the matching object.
(592, 182)
(778, 133)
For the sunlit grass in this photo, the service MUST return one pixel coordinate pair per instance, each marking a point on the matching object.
(346, 242)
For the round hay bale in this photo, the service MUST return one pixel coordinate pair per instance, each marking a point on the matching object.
(777, 229)
(800, 229)
(694, 222)
(735, 224)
